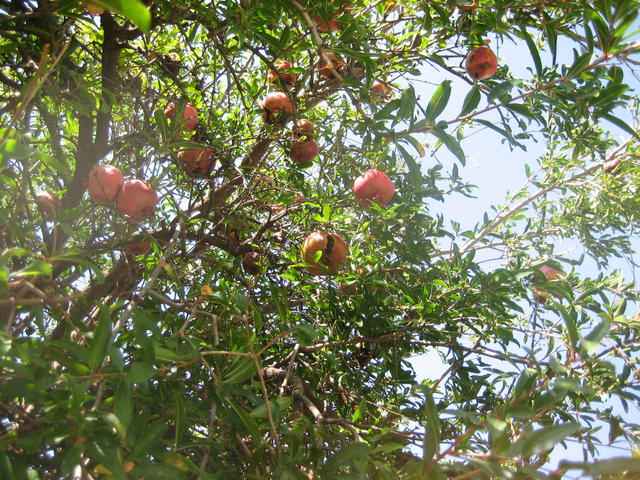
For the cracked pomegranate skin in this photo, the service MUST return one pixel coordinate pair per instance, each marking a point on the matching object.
(197, 161)
(288, 78)
(334, 252)
(373, 186)
(105, 183)
(481, 63)
(250, 263)
(323, 67)
(137, 200)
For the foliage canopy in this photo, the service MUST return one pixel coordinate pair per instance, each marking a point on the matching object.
(176, 363)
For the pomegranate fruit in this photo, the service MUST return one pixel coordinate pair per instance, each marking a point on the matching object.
(325, 69)
(105, 183)
(251, 263)
(481, 63)
(287, 78)
(49, 204)
(138, 248)
(189, 115)
(137, 200)
(373, 186)
(380, 91)
(303, 127)
(303, 153)
(334, 252)
(550, 274)
(277, 102)
(196, 161)
(332, 25)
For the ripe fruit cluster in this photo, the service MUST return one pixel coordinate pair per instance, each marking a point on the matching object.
(197, 162)
(134, 198)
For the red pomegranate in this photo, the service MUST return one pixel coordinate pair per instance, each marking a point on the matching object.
(49, 204)
(380, 91)
(334, 252)
(550, 274)
(303, 153)
(288, 78)
(373, 186)
(324, 68)
(332, 25)
(137, 200)
(481, 63)
(189, 115)
(251, 263)
(105, 183)
(196, 161)
(138, 248)
(277, 102)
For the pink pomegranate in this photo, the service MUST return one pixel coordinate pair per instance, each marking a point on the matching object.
(373, 186)
(105, 183)
(137, 200)
(303, 153)
(277, 102)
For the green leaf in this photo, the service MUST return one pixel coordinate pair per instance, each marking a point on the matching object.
(100, 341)
(593, 340)
(140, 372)
(432, 427)
(532, 48)
(123, 404)
(277, 404)
(346, 456)
(451, 143)
(531, 443)
(471, 101)
(38, 267)
(133, 10)
(181, 425)
(621, 124)
(438, 101)
(239, 369)
(610, 466)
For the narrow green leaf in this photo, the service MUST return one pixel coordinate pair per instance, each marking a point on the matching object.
(621, 124)
(533, 50)
(570, 318)
(451, 143)
(438, 101)
(431, 441)
(140, 372)
(123, 404)
(545, 438)
(610, 466)
(38, 267)
(471, 101)
(346, 456)
(592, 341)
(181, 425)
(133, 10)
(101, 338)
(579, 64)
